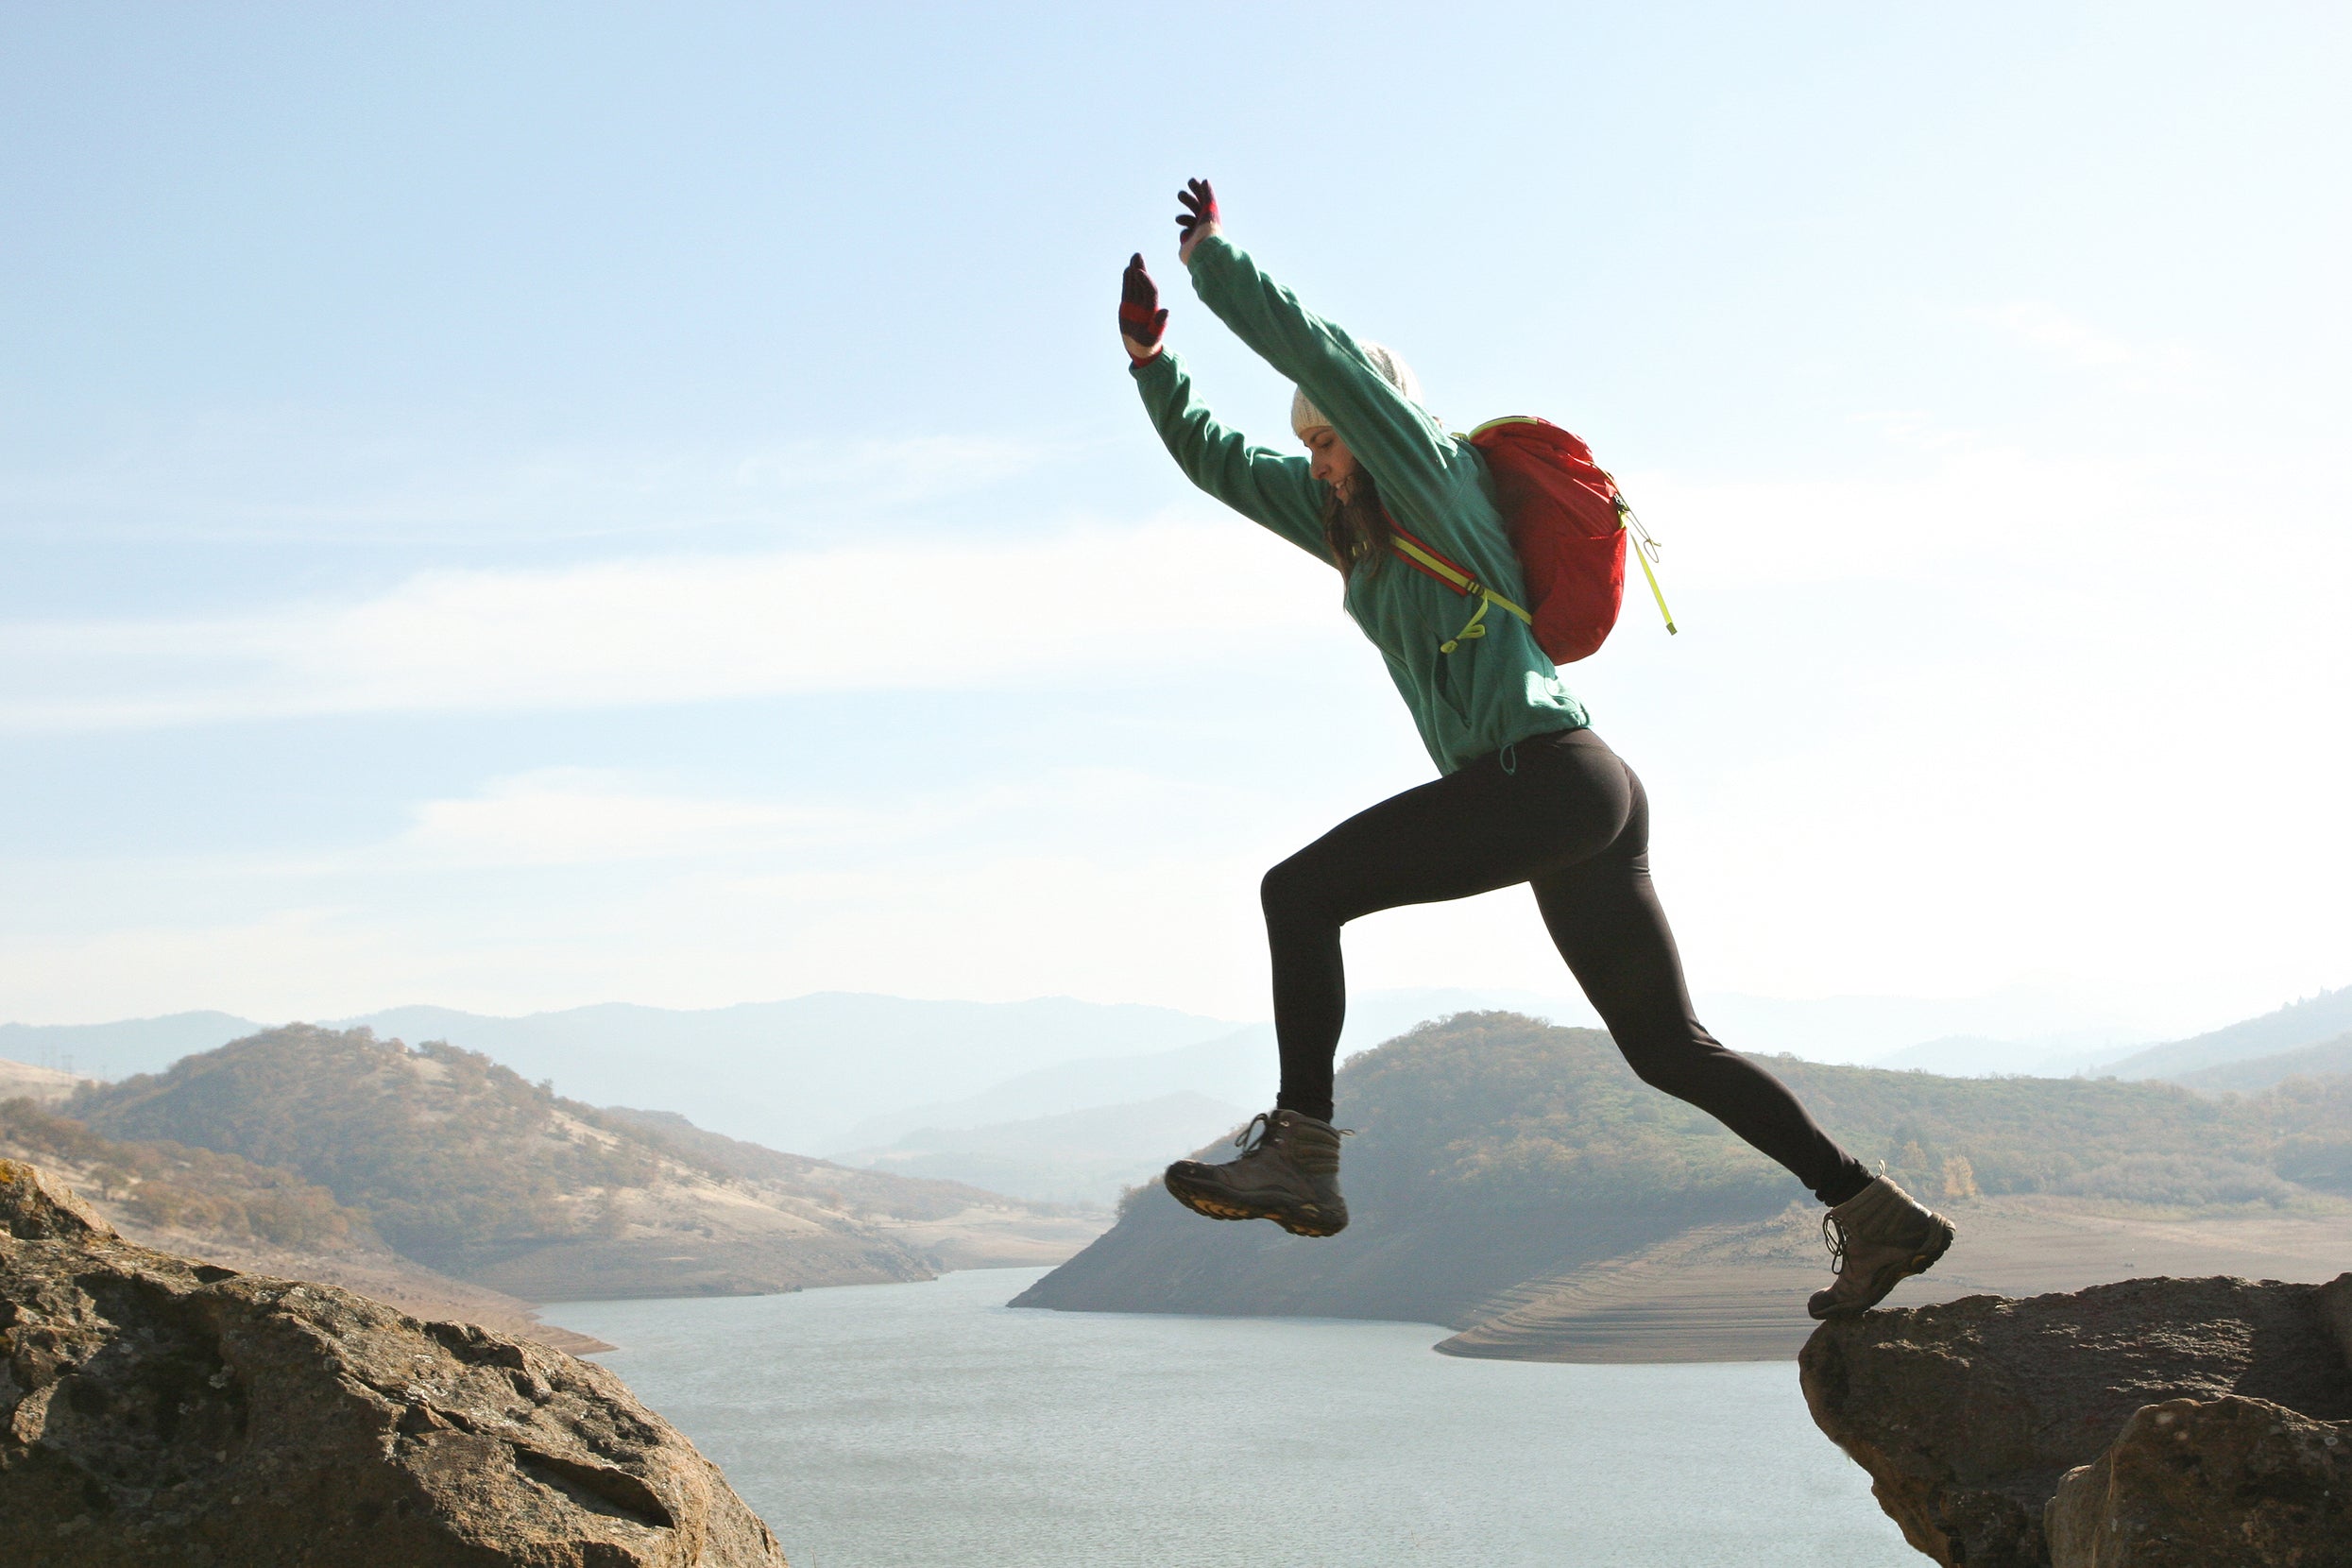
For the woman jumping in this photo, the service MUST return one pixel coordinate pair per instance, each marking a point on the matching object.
(1528, 794)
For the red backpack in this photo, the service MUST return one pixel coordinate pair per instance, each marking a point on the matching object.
(1568, 525)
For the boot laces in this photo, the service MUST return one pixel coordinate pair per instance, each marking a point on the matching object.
(1253, 1137)
(1833, 1233)
(1261, 1132)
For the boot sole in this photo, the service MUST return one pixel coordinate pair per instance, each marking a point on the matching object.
(1296, 1222)
(1922, 1261)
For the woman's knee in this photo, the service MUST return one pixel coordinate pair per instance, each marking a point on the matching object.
(1675, 1062)
(1292, 891)
(1656, 1068)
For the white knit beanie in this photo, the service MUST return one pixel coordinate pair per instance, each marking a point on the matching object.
(1304, 416)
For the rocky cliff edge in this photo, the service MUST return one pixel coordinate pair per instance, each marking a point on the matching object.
(2150, 1423)
(158, 1410)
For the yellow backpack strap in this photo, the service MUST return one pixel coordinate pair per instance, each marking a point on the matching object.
(1472, 629)
(1433, 565)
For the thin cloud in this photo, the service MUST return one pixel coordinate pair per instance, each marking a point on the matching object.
(578, 816)
(2074, 343)
(261, 480)
(596, 816)
(678, 629)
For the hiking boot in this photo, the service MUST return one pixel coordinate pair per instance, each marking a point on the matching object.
(1877, 1238)
(1288, 1172)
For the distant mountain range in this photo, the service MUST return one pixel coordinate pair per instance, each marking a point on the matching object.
(958, 1088)
(2324, 1060)
(798, 1074)
(2253, 1054)
(1085, 1157)
(118, 1049)
(1977, 1056)
(832, 1070)
(1079, 1132)
(1871, 1029)
(2308, 1022)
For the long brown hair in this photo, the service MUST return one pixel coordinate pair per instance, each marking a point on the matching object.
(1356, 528)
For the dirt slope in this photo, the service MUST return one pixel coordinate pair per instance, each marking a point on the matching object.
(1737, 1292)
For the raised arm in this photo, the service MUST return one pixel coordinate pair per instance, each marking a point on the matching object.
(1406, 450)
(1267, 486)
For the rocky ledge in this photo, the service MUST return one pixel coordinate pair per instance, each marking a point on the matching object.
(156, 1411)
(2151, 1424)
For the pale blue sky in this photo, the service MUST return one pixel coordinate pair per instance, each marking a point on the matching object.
(526, 505)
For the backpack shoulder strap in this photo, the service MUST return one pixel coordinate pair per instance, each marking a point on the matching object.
(1432, 565)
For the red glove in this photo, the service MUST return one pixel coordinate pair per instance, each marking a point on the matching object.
(1140, 318)
(1200, 203)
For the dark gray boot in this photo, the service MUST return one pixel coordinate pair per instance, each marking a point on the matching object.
(1878, 1237)
(1288, 1172)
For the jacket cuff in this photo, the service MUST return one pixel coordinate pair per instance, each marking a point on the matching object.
(1215, 249)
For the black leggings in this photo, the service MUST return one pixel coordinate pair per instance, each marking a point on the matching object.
(1561, 812)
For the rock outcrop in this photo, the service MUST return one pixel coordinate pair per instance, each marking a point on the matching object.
(156, 1411)
(2151, 1424)
(2198, 1483)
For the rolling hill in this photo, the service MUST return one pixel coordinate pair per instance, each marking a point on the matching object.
(461, 1166)
(255, 1218)
(1500, 1162)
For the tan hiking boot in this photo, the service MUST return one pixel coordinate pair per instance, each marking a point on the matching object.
(1877, 1238)
(1288, 1172)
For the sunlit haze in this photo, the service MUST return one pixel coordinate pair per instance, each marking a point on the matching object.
(513, 508)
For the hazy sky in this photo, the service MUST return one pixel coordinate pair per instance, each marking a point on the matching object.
(512, 506)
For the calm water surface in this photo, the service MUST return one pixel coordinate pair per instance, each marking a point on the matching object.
(929, 1427)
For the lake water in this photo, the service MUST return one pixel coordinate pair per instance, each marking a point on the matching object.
(929, 1427)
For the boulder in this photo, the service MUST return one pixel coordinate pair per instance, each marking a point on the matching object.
(1969, 1414)
(2197, 1483)
(157, 1410)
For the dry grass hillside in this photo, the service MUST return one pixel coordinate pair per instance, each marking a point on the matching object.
(462, 1166)
(41, 1085)
(253, 1218)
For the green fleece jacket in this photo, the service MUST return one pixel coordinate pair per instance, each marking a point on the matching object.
(1491, 690)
